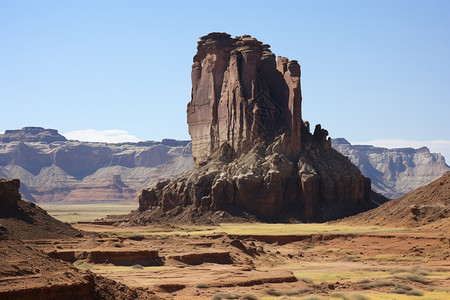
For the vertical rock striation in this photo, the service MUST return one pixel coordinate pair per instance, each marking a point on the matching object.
(241, 95)
(252, 151)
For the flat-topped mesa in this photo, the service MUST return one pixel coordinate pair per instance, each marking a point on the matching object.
(31, 134)
(241, 95)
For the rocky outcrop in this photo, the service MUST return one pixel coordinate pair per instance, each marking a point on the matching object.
(31, 134)
(9, 193)
(252, 151)
(241, 95)
(25, 220)
(62, 170)
(394, 172)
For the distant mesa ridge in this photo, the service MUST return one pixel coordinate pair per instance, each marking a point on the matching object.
(53, 168)
(394, 172)
(43, 180)
(31, 134)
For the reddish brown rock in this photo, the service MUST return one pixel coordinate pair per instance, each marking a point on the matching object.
(252, 151)
(9, 193)
(241, 95)
(106, 190)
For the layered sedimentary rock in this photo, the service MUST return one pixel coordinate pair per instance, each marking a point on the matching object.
(31, 134)
(394, 172)
(55, 169)
(242, 95)
(252, 151)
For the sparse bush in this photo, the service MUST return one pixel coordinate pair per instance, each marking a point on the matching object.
(403, 286)
(289, 292)
(305, 279)
(378, 283)
(220, 296)
(137, 267)
(249, 297)
(365, 280)
(312, 297)
(202, 285)
(340, 295)
(421, 271)
(418, 293)
(398, 291)
(413, 277)
(358, 297)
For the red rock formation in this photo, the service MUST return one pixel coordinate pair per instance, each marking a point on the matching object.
(9, 193)
(241, 95)
(252, 151)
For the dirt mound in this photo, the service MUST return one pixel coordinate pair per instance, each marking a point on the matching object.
(424, 206)
(28, 221)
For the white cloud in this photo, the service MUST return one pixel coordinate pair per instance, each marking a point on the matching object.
(106, 136)
(435, 146)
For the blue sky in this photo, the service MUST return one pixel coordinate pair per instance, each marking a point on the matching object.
(371, 70)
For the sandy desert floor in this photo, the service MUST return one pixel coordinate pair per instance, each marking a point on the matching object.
(264, 261)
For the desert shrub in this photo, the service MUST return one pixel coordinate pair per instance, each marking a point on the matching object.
(305, 279)
(413, 277)
(378, 283)
(421, 271)
(358, 297)
(312, 297)
(365, 280)
(288, 292)
(137, 267)
(220, 296)
(202, 285)
(415, 270)
(415, 293)
(249, 297)
(340, 295)
(398, 291)
(403, 286)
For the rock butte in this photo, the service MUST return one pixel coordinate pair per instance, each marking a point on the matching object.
(252, 151)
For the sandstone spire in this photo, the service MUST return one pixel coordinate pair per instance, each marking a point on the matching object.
(241, 96)
(252, 151)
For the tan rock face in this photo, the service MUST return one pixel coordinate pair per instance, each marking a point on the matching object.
(241, 95)
(252, 151)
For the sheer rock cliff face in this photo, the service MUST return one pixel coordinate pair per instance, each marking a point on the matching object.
(241, 95)
(252, 151)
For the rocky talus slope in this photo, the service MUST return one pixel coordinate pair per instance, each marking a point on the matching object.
(52, 168)
(394, 172)
(252, 151)
(426, 205)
